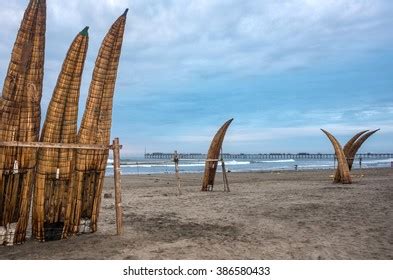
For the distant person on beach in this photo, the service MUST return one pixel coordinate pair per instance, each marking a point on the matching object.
(176, 158)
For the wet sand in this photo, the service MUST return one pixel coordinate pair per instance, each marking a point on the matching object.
(278, 215)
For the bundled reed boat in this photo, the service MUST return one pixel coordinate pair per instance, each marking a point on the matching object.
(20, 121)
(345, 156)
(351, 148)
(55, 166)
(95, 129)
(213, 157)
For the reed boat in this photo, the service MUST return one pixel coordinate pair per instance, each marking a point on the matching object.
(20, 121)
(213, 156)
(351, 148)
(55, 166)
(342, 166)
(95, 128)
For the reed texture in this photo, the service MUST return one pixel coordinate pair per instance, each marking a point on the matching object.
(55, 166)
(342, 160)
(213, 154)
(351, 148)
(95, 128)
(356, 146)
(347, 147)
(20, 121)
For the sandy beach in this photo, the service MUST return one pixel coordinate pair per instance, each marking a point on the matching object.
(275, 215)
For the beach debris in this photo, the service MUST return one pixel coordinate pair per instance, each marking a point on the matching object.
(85, 226)
(20, 121)
(345, 156)
(212, 157)
(95, 129)
(55, 166)
(108, 195)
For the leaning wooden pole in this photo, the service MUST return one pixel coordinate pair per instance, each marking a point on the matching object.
(224, 175)
(55, 166)
(95, 129)
(117, 177)
(20, 121)
(341, 159)
(213, 154)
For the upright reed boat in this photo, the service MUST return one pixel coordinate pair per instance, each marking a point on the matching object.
(55, 166)
(20, 121)
(96, 124)
(212, 157)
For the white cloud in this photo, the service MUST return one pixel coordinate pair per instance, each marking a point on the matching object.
(186, 40)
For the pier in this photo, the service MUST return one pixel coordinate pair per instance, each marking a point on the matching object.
(274, 156)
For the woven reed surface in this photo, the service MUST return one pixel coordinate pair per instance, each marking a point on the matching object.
(345, 177)
(95, 129)
(214, 153)
(51, 193)
(356, 146)
(20, 117)
(351, 148)
(346, 149)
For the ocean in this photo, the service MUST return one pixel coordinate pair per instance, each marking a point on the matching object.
(135, 166)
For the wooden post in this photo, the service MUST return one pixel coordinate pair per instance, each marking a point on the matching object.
(116, 164)
(224, 174)
(176, 160)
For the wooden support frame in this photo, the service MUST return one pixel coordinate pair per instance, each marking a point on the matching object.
(224, 173)
(117, 176)
(54, 145)
(116, 147)
(175, 159)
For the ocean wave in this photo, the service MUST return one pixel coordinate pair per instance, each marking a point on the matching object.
(274, 161)
(235, 162)
(376, 161)
(185, 165)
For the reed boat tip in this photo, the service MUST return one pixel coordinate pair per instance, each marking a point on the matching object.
(84, 32)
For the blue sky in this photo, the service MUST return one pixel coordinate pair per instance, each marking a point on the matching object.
(282, 69)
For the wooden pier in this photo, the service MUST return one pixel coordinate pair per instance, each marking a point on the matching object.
(272, 156)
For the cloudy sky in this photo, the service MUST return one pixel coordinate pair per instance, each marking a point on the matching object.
(282, 69)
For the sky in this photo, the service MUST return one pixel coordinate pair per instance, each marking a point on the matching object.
(281, 69)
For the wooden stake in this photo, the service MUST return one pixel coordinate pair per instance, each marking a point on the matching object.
(176, 160)
(224, 174)
(117, 173)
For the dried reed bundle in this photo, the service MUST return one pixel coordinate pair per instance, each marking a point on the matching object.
(84, 204)
(351, 148)
(213, 154)
(356, 146)
(347, 147)
(342, 161)
(54, 166)
(20, 120)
